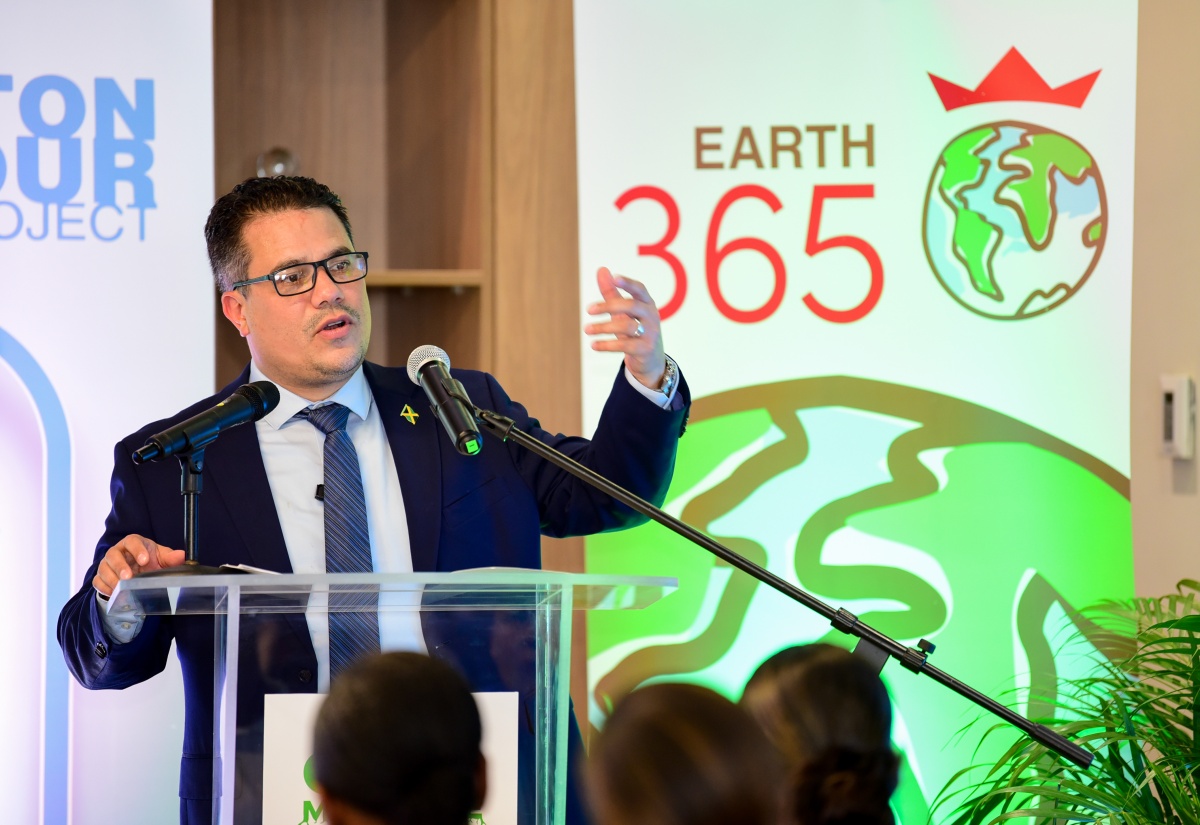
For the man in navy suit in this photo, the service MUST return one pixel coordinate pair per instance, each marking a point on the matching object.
(283, 255)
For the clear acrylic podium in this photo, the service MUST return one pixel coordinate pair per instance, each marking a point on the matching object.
(504, 629)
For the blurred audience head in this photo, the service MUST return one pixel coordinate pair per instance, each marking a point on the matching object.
(397, 742)
(828, 713)
(674, 754)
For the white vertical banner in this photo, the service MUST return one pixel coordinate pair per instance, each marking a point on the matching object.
(892, 247)
(106, 177)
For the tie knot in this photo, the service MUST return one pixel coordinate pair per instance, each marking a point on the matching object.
(328, 419)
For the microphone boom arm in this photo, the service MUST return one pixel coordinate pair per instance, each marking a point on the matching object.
(873, 644)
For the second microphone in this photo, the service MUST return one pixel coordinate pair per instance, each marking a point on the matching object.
(429, 367)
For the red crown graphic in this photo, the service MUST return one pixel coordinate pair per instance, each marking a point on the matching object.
(1013, 78)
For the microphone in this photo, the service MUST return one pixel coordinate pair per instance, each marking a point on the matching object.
(429, 366)
(249, 402)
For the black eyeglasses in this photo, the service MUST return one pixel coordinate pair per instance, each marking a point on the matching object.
(297, 279)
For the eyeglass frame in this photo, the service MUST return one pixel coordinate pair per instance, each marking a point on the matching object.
(316, 265)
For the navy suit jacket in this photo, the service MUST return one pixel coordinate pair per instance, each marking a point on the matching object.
(462, 512)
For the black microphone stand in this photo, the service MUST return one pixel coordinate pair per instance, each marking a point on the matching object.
(872, 645)
(186, 441)
(191, 468)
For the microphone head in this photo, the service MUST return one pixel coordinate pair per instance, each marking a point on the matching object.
(263, 395)
(423, 355)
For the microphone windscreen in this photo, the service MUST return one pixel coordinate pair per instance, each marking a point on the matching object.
(262, 394)
(423, 355)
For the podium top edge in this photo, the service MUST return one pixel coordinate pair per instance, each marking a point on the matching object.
(496, 589)
(499, 576)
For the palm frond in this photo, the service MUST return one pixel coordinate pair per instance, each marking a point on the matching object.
(1135, 710)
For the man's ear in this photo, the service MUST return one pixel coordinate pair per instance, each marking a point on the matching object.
(233, 304)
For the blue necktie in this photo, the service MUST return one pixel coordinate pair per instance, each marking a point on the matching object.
(352, 632)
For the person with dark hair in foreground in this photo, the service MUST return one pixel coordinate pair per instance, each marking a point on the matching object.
(397, 742)
(676, 754)
(829, 714)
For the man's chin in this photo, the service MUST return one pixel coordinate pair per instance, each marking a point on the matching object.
(341, 368)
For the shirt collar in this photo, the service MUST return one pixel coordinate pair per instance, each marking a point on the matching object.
(355, 394)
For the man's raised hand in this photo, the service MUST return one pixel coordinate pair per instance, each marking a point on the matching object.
(634, 324)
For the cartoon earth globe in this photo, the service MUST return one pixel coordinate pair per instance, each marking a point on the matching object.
(924, 514)
(1015, 219)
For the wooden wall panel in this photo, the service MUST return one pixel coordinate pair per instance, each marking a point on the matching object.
(437, 80)
(405, 318)
(308, 77)
(537, 321)
(536, 226)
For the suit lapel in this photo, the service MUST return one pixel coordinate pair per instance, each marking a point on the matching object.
(237, 478)
(414, 444)
(235, 475)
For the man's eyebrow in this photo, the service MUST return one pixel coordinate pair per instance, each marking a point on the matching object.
(340, 250)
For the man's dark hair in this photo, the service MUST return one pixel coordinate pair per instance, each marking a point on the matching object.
(399, 737)
(253, 198)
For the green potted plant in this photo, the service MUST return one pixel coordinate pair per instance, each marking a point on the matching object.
(1134, 708)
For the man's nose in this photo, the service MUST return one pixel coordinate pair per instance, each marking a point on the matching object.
(326, 289)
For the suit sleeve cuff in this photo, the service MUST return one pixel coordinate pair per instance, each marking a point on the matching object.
(659, 399)
(120, 625)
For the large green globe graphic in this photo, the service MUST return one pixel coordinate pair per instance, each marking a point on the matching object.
(924, 514)
(1015, 219)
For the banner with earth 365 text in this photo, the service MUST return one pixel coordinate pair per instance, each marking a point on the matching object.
(891, 244)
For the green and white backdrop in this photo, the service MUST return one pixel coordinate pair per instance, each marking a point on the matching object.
(892, 244)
